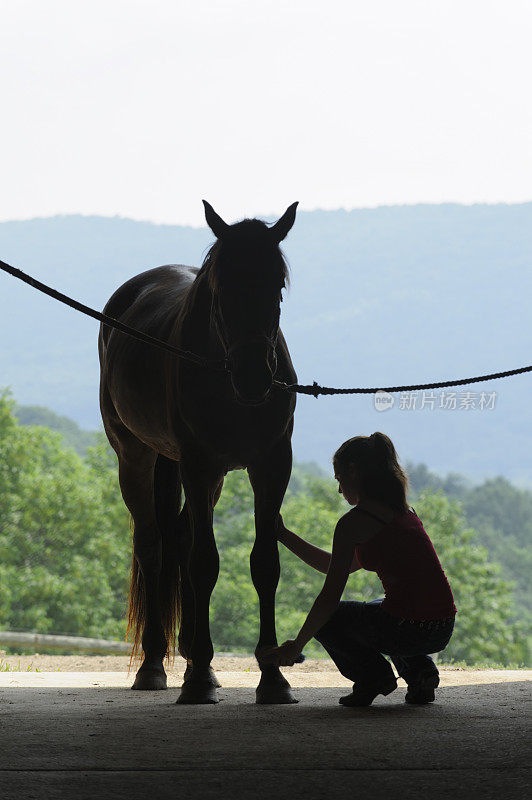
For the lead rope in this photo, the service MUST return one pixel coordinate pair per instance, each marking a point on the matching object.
(315, 389)
(111, 321)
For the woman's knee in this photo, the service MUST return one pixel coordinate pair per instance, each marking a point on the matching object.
(337, 624)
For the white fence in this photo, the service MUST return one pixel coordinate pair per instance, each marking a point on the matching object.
(41, 641)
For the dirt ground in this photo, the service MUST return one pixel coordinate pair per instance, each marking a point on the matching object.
(226, 663)
(89, 663)
(86, 663)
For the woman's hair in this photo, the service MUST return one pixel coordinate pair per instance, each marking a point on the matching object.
(379, 473)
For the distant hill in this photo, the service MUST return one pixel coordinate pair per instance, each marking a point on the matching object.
(385, 296)
(73, 436)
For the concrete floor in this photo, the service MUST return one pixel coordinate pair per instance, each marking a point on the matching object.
(62, 736)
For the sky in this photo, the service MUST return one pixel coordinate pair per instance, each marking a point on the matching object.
(141, 109)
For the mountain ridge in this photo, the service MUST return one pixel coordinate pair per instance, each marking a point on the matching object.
(391, 295)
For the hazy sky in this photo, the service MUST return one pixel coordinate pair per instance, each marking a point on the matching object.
(142, 108)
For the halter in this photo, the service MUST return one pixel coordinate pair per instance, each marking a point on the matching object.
(269, 339)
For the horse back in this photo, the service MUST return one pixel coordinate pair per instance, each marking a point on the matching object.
(150, 300)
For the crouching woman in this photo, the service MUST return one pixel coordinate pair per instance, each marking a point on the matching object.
(381, 533)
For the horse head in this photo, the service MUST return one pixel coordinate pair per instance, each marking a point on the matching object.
(247, 275)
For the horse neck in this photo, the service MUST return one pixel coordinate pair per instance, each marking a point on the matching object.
(196, 331)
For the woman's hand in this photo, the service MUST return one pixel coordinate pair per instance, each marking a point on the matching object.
(283, 656)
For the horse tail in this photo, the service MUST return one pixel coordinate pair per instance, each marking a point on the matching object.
(167, 497)
(136, 610)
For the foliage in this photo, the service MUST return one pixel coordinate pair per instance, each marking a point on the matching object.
(62, 556)
(73, 435)
(7, 667)
(65, 550)
(420, 478)
(485, 629)
(501, 515)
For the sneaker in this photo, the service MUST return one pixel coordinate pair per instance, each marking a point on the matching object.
(364, 695)
(422, 691)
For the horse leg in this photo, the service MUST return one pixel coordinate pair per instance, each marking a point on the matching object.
(201, 490)
(269, 479)
(186, 630)
(136, 475)
(186, 627)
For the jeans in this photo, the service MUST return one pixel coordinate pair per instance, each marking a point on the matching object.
(357, 634)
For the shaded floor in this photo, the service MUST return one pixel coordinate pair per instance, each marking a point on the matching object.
(92, 741)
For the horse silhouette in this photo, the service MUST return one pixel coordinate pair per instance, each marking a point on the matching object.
(178, 425)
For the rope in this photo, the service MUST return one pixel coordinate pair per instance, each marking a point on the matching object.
(314, 390)
(110, 321)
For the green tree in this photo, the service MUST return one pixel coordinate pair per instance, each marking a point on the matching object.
(501, 515)
(485, 631)
(73, 435)
(63, 547)
(65, 551)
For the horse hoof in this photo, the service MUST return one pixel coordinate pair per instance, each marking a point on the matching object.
(197, 694)
(274, 694)
(150, 679)
(214, 679)
(211, 676)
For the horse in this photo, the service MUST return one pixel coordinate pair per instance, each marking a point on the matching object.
(179, 425)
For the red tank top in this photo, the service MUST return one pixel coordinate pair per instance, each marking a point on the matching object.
(404, 558)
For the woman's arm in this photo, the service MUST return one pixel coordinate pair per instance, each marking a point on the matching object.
(314, 556)
(341, 559)
(340, 562)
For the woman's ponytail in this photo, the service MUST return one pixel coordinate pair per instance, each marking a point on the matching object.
(383, 446)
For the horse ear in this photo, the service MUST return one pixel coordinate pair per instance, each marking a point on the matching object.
(283, 225)
(214, 221)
